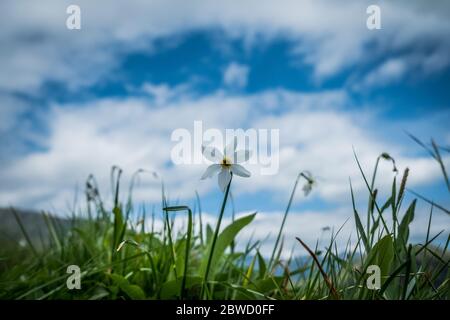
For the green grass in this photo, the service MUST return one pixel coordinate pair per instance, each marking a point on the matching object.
(122, 259)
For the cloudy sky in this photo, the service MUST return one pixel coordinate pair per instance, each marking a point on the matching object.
(76, 102)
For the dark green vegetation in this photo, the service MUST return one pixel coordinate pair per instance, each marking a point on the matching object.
(120, 258)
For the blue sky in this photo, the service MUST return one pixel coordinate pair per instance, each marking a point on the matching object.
(75, 102)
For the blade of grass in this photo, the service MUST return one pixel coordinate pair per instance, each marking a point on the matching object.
(291, 198)
(200, 217)
(24, 231)
(359, 225)
(324, 275)
(188, 244)
(429, 201)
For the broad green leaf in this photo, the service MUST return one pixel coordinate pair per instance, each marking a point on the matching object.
(382, 255)
(225, 238)
(132, 291)
(266, 285)
(171, 289)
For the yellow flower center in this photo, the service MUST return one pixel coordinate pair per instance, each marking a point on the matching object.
(226, 162)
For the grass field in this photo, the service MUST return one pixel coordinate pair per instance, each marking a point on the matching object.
(121, 257)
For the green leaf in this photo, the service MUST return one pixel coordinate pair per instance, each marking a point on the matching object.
(99, 293)
(209, 233)
(133, 292)
(88, 241)
(403, 230)
(261, 286)
(358, 223)
(382, 255)
(386, 205)
(118, 226)
(224, 240)
(171, 289)
(266, 285)
(249, 273)
(262, 266)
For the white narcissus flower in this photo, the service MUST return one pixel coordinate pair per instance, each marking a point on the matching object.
(310, 182)
(226, 164)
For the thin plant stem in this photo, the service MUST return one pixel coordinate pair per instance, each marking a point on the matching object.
(216, 233)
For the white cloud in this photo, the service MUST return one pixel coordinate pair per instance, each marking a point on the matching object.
(315, 134)
(236, 75)
(388, 72)
(329, 36)
(162, 93)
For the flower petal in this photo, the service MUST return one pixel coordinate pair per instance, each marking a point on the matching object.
(239, 170)
(212, 154)
(241, 156)
(230, 148)
(224, 179)
(307, 188)
(210, 171)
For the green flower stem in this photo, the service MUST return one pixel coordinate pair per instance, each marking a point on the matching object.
(188, 244)
(216, 233)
